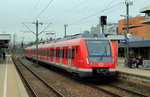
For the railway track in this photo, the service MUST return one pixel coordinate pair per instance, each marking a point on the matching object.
(128, 91)
(121, 92)
(103, 90)
(49, 91)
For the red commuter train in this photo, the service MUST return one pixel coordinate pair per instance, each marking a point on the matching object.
(84, 55)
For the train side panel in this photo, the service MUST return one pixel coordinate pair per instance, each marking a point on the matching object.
(73, 56)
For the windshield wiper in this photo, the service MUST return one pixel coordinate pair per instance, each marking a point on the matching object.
(103, 53)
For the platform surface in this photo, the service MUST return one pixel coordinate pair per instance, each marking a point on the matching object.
(136, 71)
(10, 82)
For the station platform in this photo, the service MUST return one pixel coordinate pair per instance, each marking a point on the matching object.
(10, 82)
(136, 72)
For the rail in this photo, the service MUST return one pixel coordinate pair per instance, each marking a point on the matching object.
(42, 80)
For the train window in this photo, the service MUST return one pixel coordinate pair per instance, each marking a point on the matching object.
(63, 53)
(98, 48)
(58, 53)
(69, 54)
(76, 49)
(66, 53)
(54, 54)
(43, 52)
(51, 52)
(73, 53)
(48, 52)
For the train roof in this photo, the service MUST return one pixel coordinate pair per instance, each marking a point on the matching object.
(81, 36)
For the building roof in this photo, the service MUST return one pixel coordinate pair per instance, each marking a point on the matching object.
(145, 43)
(5, 36)
(4, 40)
(145, 9)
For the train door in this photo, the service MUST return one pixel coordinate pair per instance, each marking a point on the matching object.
(47, 53)
(40, 53)
(64, 55)
(114, 51)
(44, 54)
(69, 54)
(61, 55)
(51, 54)
(54, 55)
(74, 57)
(57, 54)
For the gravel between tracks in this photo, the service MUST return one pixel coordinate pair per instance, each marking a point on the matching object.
(68, 87)
(37, 85)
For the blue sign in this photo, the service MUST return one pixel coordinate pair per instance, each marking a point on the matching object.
(124, 41)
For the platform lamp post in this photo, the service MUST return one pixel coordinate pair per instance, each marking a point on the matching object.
(126, 28)
(127, 25)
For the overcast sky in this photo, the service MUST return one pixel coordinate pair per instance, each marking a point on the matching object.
(79, 15)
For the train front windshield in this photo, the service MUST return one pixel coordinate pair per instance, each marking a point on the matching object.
(99, 50)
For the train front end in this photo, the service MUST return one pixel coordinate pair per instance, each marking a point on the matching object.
(101, 57)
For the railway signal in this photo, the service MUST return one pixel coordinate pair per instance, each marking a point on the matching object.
(103, 20)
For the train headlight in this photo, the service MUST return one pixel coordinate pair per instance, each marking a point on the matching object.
(87, 60)
(113, 61)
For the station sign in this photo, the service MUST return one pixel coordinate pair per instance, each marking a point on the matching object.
(124, 41)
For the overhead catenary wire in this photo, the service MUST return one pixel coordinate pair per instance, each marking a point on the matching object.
(35, 6)
(104, 8)
(67, 11)
(41, 12)
(109, 4)
(43, 9)
(96, 13)
(45, 28)
(105, 14)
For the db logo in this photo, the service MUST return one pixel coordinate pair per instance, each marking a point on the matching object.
(100, 64)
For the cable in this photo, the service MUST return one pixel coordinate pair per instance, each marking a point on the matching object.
(43, 9)
(70, 9)
(109, 4)
(35, 6)
(45, 28)
(97, 13)
(104, 8)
